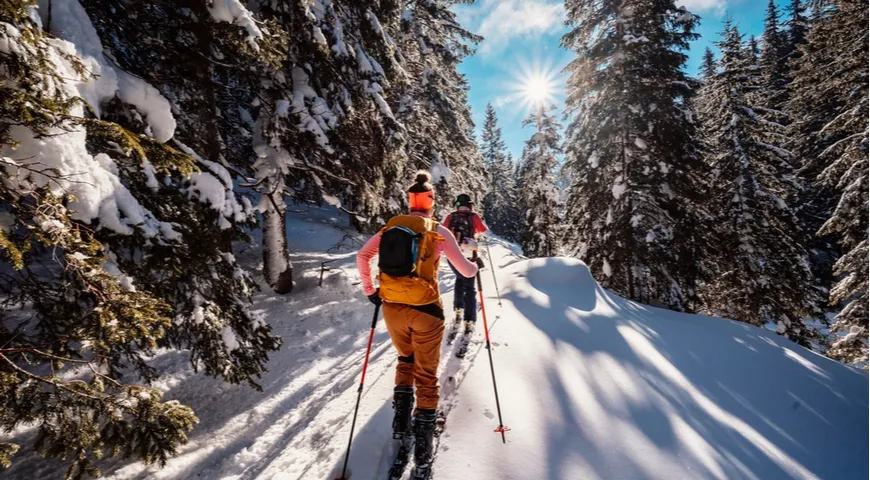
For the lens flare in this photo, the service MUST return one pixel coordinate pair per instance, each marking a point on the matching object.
(531, 85)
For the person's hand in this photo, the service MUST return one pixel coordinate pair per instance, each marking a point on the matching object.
(375, 298)
(480, 264)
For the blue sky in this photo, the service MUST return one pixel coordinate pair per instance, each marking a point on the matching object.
(523, 36)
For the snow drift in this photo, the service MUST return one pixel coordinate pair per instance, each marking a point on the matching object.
(595, 386)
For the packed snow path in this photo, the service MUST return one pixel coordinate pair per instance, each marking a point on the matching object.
(593, 386)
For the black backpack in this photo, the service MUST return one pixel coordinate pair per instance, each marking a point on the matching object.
(463, 224)
(398, 252)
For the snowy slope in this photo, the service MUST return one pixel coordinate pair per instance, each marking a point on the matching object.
(593, 386)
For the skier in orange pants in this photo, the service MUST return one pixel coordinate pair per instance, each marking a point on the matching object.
(410, 248)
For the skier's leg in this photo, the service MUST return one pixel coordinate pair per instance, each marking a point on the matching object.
(470, 295)
(399, 327)
(397, 322)
(403, 405)
(458, 288)
(427, 333)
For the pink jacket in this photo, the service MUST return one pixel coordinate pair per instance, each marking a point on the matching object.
(449, 247)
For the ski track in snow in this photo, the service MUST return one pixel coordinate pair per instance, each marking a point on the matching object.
(593, 386)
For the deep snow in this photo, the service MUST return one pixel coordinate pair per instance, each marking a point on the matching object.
(592, 385)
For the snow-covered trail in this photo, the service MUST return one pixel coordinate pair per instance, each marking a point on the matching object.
(594, 386)
(373, 447)
(297, 428)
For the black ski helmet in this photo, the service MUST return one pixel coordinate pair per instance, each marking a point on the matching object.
(463, 200)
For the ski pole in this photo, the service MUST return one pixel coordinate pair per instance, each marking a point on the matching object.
(492, 267)
(501, 427)
(362, 381)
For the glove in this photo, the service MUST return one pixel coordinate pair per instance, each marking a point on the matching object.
(480, 264)
(375, 298)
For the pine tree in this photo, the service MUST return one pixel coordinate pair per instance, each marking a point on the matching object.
(79, 193)
(633, 209)
(761, 269)
(539, 197)
(513, 221)
(119, 209)
(497, 203)
(708, 64)
(753, 50)
(774, 65)
(210, 293)
(325, 130)
(796, 28)
(829, 104)
(433, 105)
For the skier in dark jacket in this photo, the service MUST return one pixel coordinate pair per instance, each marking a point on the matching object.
(466, 226)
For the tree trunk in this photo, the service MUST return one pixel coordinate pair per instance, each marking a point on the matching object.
(276, 258)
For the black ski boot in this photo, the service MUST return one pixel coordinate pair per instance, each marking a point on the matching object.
(403, 405)
(424, 433)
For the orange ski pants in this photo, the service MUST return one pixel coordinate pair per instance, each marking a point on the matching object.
(417, 337)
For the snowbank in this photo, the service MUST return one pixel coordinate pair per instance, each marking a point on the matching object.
(594, 386)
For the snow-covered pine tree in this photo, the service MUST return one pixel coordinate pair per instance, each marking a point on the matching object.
(634, 207)
(80, 193)
(761, 271)
(433, 105)
(708, 64)
(498, 208)
(177, 46)
(795, 29)
(514, 224)
(830, 132)
(753, 49)
(325, 131)
(774, 66)
(539, 198)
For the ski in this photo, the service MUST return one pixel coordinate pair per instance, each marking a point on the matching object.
(463, 345)
(452, 336)
(454, 330)
(463, 348)
(403, 457)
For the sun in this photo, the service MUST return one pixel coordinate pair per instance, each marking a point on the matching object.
(538, 90)
(531, 85)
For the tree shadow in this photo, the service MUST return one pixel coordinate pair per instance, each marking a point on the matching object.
(710, 395)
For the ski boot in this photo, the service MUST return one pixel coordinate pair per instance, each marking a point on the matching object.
(457, 322)
(403, 404)
(466, 338)
(424, 446)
